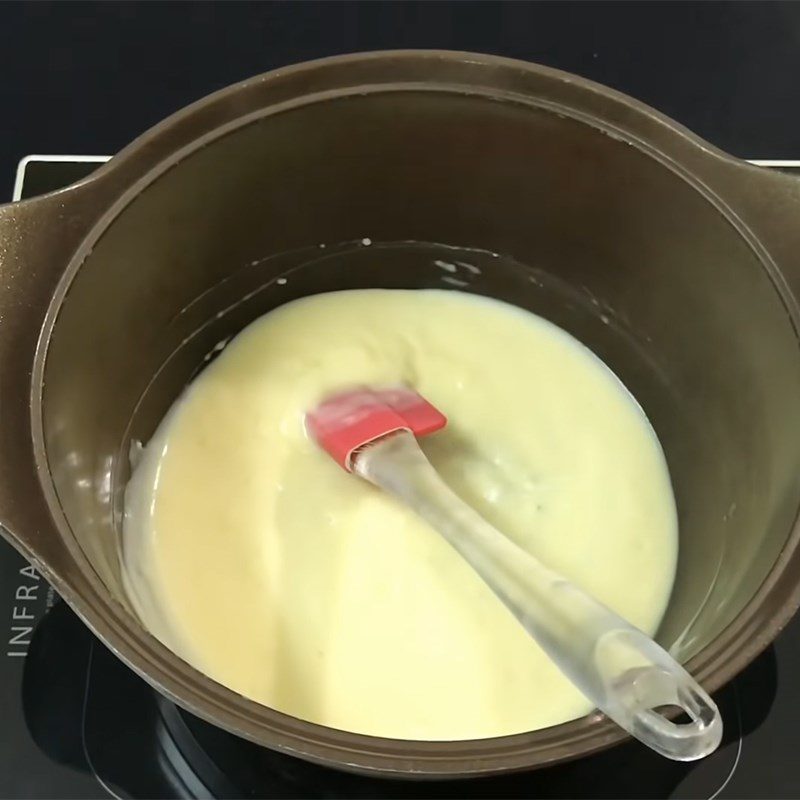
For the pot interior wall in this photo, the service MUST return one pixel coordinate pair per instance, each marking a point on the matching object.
(590, 232)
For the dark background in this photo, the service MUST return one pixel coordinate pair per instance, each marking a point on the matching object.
(80, 77)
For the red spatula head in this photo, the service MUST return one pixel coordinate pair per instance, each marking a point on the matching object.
(348, 421)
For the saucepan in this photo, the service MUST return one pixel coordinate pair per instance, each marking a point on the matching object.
(678, 264)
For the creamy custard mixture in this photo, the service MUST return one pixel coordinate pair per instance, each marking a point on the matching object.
(264, 564)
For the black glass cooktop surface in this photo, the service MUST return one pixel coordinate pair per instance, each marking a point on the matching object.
(76, 722)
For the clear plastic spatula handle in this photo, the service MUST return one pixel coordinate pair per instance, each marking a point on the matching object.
(620, 669)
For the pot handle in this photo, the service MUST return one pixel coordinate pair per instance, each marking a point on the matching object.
(37, 239)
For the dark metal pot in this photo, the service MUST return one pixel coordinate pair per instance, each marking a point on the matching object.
(676, 263)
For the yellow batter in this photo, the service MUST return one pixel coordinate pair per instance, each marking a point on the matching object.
(263, 563)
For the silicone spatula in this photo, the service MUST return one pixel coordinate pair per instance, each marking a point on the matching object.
(372, 433)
